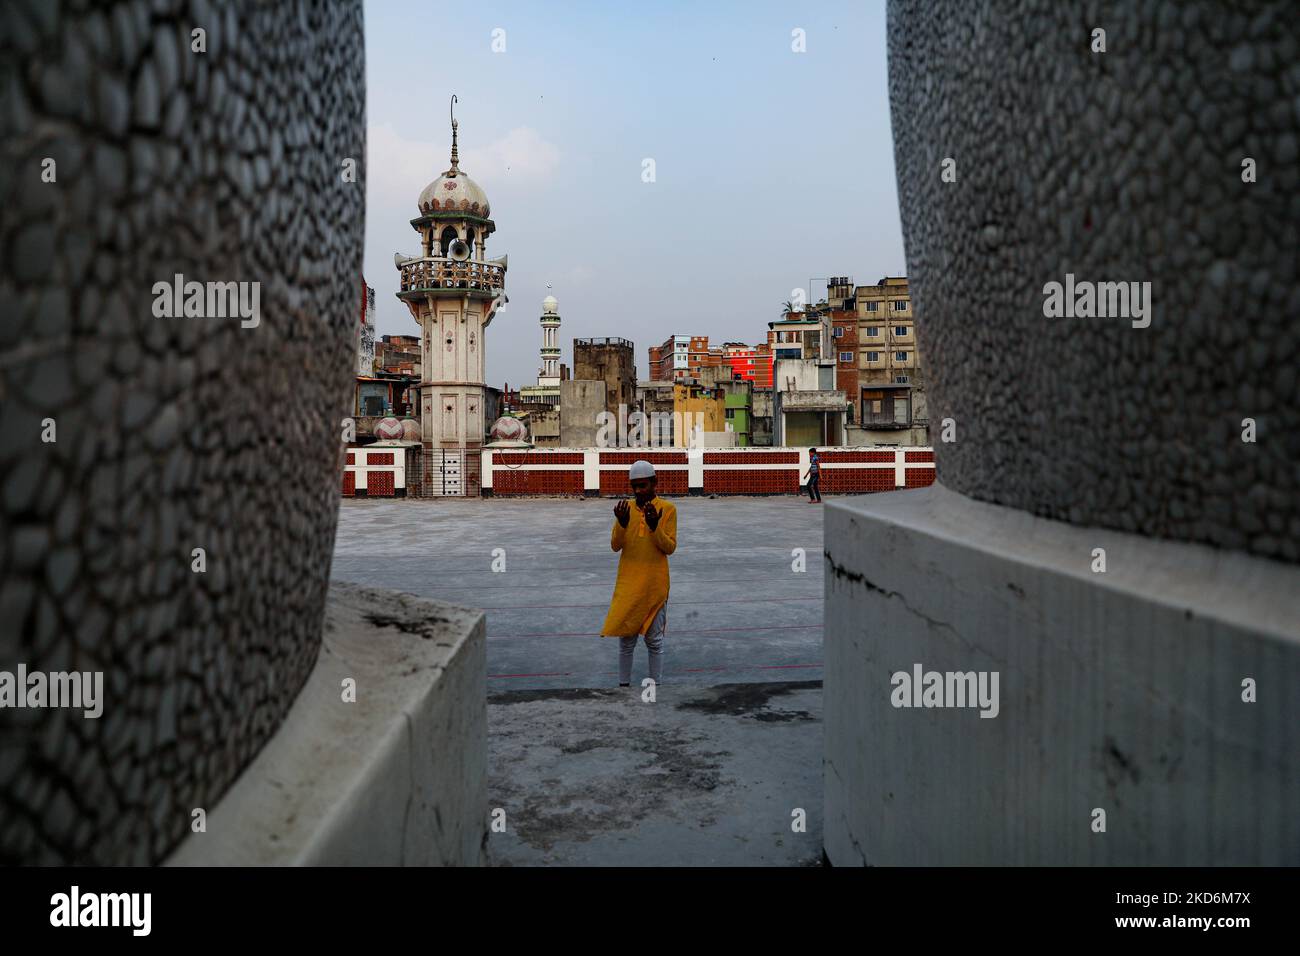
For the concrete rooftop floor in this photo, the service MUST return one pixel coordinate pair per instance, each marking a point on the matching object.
(704, 776)
(736, 609)
(590, 774)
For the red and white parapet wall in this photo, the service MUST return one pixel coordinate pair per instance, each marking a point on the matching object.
(593, 472)
(379, 470)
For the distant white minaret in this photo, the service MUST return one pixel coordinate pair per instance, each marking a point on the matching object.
(549, 373)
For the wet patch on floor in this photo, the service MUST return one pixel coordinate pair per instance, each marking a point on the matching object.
(750, 700)
(504, 698)
(703, 776)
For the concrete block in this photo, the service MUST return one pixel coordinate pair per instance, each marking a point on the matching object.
(397, 778)
(1119, 690)
(581, 405)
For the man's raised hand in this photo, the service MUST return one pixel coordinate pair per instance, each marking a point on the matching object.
(622, 512)
(651, 516)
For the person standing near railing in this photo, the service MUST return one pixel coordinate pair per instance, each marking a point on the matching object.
(813, 474)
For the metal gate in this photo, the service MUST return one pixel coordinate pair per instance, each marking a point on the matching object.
(448, 472)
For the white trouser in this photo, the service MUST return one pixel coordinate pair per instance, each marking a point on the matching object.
(654, 642)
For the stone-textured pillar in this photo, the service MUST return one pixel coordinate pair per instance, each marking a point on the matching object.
(1102, 540)
(1117, 166)
(170, 434)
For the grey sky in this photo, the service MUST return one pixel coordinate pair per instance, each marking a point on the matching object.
(772, 166)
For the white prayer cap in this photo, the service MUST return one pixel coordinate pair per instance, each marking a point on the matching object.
(640, 469)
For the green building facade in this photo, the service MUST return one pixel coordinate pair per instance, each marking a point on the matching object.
(740, 413)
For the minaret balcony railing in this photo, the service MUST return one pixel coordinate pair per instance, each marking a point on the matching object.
(435, 272)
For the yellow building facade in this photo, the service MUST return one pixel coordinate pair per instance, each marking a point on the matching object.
(697, 406)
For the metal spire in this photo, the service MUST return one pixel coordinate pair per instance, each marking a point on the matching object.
(455, 157)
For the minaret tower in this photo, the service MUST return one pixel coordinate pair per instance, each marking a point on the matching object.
(549, 373)
(452, 290)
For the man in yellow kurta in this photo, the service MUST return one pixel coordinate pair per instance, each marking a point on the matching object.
(645, 534)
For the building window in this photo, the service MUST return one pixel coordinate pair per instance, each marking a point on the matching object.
(872, 306)
(846, 356)
(873, 332)
(900, 356)
(900, 305)
(900, 330)
(873, 356)
(839, 331)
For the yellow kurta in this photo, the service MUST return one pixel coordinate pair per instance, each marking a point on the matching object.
(642, 585)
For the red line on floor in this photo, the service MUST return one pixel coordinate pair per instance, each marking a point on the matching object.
(551, 587)
(539, 607)
(706, 630)
(687, 670)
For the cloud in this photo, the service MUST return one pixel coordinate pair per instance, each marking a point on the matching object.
(398, 168)
(521, 157)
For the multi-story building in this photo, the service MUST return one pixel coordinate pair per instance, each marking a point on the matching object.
(738, 394)
(738, 401)
(701, 413)
(798, 335)
(687, 356)
(890, 391)
(543, 422)
(387, 381)
(399, 354)
(654, 399)
(761, 427)
(750, 362)
(844, 340)
(700, 356)
(670, 360)
(856, 350)
(840, 311)
(807, 408)
(366, 331)
(386, 394)
(608, 360)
